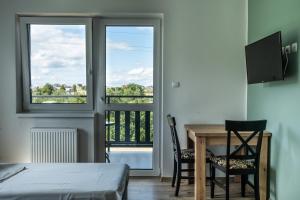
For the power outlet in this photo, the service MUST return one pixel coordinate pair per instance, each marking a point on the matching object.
(294, 47)
(287, 49)
(175, 84)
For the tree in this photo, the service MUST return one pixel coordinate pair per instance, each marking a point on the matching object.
(37, 91)
(63, 87)
(134, 89)
(74, 89)
(62, 90)
(130, 89)
(47, 89)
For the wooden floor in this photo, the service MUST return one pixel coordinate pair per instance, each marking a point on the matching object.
(154, 189)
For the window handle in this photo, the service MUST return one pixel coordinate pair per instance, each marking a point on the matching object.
(102, 99)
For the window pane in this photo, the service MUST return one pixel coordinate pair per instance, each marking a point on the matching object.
(58, 64)
(129, 64)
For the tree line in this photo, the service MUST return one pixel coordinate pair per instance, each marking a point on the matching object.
(50, 93)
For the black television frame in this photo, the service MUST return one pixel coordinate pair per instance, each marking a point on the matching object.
(283, 68)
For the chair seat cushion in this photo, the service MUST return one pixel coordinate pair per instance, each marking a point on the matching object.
(189, 154)
(234, 163)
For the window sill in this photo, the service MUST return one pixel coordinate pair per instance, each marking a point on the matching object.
(57, 115)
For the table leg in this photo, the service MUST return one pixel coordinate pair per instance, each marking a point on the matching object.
(263, 169)
(200, 164)
(190, 145)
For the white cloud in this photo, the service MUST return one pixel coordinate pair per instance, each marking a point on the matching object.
(56, 50)
(36, 78)
(58, 56)
(44, 71)
(140, 75)
(141, 71)
(136, 71)
(118, 45)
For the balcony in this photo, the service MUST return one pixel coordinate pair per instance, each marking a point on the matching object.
(129, 134)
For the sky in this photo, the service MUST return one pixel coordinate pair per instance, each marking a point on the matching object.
(58, 55)
(129, 55)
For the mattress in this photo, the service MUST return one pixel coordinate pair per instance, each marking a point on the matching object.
(64, 181)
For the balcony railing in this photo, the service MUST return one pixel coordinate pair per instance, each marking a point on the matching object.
(123, 128)
(128, 99)
(129, 128)
(57, 96)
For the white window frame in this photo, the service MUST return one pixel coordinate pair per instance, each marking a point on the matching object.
(25, 66)
(155, 107)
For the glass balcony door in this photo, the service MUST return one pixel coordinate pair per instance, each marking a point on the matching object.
(130, 93)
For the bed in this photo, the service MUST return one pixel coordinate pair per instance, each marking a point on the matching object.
(63, 181)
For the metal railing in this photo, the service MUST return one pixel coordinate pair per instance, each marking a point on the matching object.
(109, 98)
(57, 96)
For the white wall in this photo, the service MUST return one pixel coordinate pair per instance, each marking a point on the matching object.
(203, 49)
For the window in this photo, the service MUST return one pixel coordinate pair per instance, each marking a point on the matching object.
(56, 63)
(129, 64)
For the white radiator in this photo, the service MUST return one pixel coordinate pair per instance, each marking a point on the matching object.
(53, 145)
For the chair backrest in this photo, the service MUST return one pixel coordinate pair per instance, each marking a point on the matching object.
(175, 141)
(255, 128)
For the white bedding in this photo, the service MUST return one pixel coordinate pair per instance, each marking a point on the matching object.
(9, 170)
(67, 181)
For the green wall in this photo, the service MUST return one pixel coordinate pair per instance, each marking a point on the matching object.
(279, 102)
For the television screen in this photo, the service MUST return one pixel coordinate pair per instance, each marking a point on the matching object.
(264, 60)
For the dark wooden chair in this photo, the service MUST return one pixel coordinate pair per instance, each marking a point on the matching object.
(181, 156)
(107, 157)
(235, 163)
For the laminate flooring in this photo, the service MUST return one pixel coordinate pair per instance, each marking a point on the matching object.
(149, 188)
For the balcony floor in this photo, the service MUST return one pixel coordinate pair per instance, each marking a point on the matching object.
(135, 157)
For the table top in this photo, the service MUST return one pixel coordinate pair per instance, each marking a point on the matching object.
(213, 130)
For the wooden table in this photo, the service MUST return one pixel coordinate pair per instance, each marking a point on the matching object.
(202, 135)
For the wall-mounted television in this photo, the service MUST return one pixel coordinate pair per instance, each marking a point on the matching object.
(264, 60)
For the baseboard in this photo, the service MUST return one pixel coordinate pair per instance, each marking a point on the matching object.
(165, 179)
(235, 179)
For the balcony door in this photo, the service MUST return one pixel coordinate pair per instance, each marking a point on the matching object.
(130, 65)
